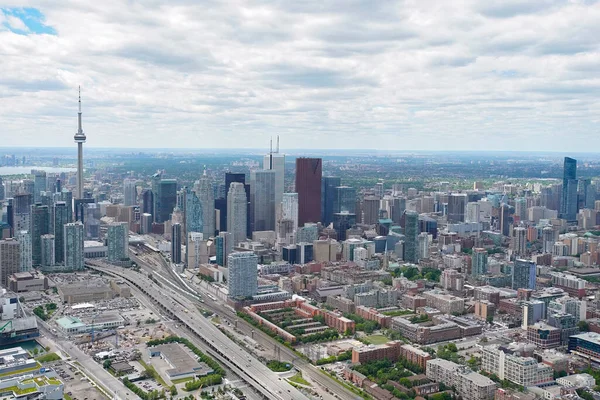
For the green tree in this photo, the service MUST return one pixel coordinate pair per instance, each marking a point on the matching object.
(583, 326)
(106, 364)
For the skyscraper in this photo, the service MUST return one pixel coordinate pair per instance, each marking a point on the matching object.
(48, 259)
(479, 260)
(24, 239)
(523, 274)
(276, 161)
(456, 207)
(398, 208)
(39, 227)
(73, 236)
(117, 241)
(237, 212)
(344, 200)
(506, 218)
(262, 200)
(39, 184)
(148, 202)
(204, 191)
(165, 198)
(61, 217)
(129, 192)
(289, 207)
(328, 198)
(176, 243)
(411, 231)
(423, 245)
(568, 207)
(10, 259)
(80, 140)
(370, 210)
(519, 240)
(242, 278)
(308, 187)
(223, 247)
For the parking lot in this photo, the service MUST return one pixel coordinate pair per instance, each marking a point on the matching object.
(76, 385)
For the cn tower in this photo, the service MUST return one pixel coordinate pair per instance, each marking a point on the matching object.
(80, 140)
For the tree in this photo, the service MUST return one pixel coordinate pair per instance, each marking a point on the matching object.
(490, 319)
(583, 326)
(173, 390)
(35, 351)
(106, 364)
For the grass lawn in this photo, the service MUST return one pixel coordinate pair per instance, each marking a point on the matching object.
(154, 373)
(216, 320)
(377, 339)
(67, 397)
(182, 380)
(48, 357)
(299, 379)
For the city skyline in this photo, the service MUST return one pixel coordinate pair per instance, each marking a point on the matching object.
(472, 83)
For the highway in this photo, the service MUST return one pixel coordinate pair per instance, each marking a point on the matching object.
(173, 280)
(219, 346)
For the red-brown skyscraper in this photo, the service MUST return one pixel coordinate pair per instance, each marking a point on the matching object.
(308, 187)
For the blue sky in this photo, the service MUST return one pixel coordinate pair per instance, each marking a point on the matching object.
(411, 74)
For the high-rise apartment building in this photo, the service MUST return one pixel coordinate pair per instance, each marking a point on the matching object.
(129, 192)
(73, 237)
(61, 217)
(308, 187)
(523, 274)
(48, 259)
(411, 231)
(223, 247)
(176, 232)
(205, 193)
(117, 241)
(237, 212)
(328, 197)
(519, 240)
(39, 227)
(10, 259)
(262, 200)
(24, 239)
(479, 260)
(39, 184)
(194, 216)
(568, 208)
(242, 278)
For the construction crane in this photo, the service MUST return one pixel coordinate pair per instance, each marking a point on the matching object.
(3, 327)
(93, 325)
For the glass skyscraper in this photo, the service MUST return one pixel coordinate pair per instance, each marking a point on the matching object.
(328, 198)
(73, 236)
(411, 231)
(568, 207)
(523, 274)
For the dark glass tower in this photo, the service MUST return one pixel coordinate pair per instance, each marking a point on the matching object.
(568, 208)
(328, 195)
(308, 186)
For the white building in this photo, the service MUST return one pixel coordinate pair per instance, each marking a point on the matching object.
(470, 385)
(524, 371)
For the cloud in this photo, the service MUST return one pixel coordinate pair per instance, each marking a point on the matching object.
(405, 74)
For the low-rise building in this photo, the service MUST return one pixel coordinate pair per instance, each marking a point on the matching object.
(524, 371)
(28, 281)
(183, 363)
(577, 381)
(543, 335)
(470, 385)
(444, 302)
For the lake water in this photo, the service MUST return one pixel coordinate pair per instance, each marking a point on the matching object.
(27, 170)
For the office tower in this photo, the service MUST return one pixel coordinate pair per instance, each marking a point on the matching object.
(237, 212)
(370, 210)
(148, 202)
(586, 194)
(411, 231)
(117, 237)
(28, 187)
(80, 140)
(129, 192)
(146, 223)
(39, 184)
(206, 196)
(276, 162)
(10, 260)
(73, 236)
(568, 209)
(262, 200)
(22, 212)
(308, 187)
(505, 218)
(25, 256)
(289, 207)
(242, 279)
(285, 233)
(307, 233)
(345, 200)
(67, 197)
(479, 260)
(423, 245)
(328, 197)
(39, 227)
(223, 247)
(521, 208)
(342, 222)
(48, 259)
(61, 217)
(2, 191)
(473, 212)
(304, 253)
(398, 208)
(519, 241)
(523, 274)
(165, 198)
(456, 207)
(231, 177)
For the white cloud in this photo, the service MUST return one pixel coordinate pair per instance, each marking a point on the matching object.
(413, 74)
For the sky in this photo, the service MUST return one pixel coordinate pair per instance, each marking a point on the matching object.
(402, 75)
